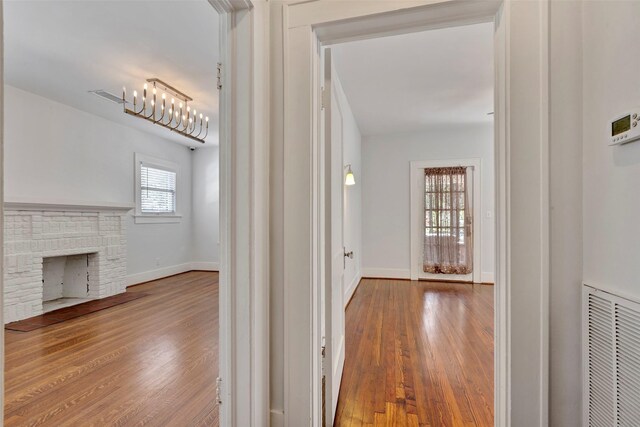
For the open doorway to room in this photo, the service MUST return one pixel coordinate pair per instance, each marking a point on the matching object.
(410, 123)
(111, 219)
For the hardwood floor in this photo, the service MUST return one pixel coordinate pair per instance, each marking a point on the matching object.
(418, 354)
(152, 362)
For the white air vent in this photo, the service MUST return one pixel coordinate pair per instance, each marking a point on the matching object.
(611, 354)
(106, 95)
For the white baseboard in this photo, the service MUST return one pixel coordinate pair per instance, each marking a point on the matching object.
(399, 273)
(205, 266)
(338, 370)
(486, 277)
(387, 273)
(351, 288)
(277, 418)
(146, 276)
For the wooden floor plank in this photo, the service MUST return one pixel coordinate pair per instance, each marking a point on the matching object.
(418, 353)
(152, 361)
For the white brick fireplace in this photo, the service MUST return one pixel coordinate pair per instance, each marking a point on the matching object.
(77, 251)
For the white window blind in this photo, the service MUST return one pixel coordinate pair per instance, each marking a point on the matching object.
(157, 190)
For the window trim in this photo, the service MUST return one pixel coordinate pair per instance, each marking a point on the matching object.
(157, 217)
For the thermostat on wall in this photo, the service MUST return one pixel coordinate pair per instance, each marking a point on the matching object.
(625, 128)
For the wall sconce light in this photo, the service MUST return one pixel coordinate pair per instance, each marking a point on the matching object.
(349, 179)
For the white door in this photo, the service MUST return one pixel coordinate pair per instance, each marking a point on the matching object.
(333, 312)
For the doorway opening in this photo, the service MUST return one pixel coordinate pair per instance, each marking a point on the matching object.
(409, 299)
(117, 215)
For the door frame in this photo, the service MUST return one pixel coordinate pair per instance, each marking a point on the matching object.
(416, 171)
(522, 193)
(244, 216)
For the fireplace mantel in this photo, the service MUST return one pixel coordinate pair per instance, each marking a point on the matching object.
(27, 204)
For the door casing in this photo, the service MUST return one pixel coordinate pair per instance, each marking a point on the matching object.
(521, 168)
(244, 215)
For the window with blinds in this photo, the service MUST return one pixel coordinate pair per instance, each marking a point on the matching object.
(157, 190)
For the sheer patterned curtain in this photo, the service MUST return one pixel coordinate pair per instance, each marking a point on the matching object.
(448, 240)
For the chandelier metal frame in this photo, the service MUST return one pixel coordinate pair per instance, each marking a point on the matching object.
(181, 119)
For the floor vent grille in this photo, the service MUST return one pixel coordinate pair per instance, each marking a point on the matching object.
(611, 328)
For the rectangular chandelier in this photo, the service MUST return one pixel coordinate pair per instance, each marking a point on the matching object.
(180, 119)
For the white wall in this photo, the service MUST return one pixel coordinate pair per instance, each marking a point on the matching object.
(611, 201)
(386, 233)
(594, 236)
(55, 152)
(611, 174)
(206, 207)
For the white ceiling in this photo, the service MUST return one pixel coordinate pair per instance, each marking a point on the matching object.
(415, 81)
(63, 49)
